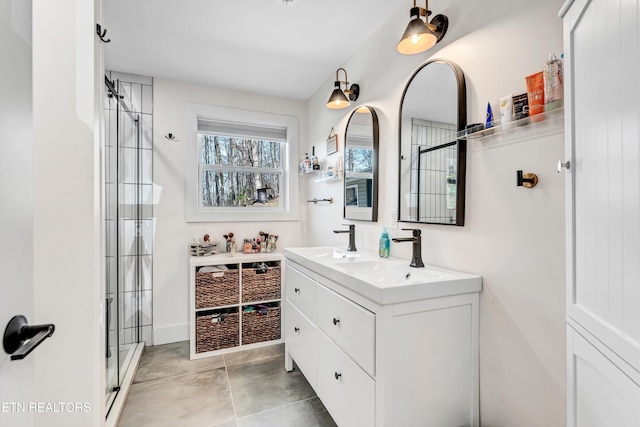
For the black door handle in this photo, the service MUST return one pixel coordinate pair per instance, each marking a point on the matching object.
(20, 339)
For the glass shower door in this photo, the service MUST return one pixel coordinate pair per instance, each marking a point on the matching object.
(123, 169)
(110, 164)
(129, 230)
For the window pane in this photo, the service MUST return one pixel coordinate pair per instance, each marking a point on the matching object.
(226, 151)
(358, 160)
(227, 189)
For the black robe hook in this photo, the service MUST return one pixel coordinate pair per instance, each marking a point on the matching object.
(101, 33)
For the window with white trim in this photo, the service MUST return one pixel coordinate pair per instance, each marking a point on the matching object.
(240, 166)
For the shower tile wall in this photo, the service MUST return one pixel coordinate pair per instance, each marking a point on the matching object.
(138, 223)
(433, 172)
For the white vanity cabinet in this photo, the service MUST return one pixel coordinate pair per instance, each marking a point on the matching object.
(299, 323)
(350, 326)
(343, 386)
(302, 293)
(409, 363)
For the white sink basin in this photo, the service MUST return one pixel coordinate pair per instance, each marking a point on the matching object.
(385, 281)
(388, 273)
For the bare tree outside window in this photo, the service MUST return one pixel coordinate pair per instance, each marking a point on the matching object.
(359, 160)
(240, 172)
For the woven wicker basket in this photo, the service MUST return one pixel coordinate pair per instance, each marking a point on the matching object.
(217, 288)
(261, 328)
(261, 283)
(212, 336)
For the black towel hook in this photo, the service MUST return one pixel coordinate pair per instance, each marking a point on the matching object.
(527, 180)
(102, 33)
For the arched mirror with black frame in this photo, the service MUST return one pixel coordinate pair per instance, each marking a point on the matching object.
(432, 168)
(361, 165)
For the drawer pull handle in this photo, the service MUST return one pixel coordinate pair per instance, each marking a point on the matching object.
(337, 375)
(336, 321)
(296, 329)
(296, 290)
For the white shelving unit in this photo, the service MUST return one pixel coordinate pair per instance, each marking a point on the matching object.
(218, 299)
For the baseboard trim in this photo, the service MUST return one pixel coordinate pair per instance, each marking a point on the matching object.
(171, 333)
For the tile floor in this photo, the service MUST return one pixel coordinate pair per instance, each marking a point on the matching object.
(245, 389)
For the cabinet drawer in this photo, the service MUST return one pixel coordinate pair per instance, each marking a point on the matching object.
(349, 325)
(300, 336)
(346, 390)
(301, 291)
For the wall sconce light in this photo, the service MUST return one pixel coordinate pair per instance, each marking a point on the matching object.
(419, 35)
(338, 98)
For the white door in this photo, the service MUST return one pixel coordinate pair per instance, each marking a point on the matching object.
(16, 207)
(49, 81)
(602, 48)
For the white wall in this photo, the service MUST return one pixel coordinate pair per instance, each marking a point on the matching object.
(513, 237)
(172, 232)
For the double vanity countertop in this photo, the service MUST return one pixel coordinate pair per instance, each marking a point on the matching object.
(383, 280)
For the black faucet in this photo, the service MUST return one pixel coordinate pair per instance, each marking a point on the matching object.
(352, 236)
(416, 256)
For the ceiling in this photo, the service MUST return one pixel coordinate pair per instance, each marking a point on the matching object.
(276, 47)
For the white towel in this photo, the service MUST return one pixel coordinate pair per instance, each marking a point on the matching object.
(212, 268)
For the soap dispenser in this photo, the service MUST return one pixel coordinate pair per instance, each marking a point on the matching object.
(384, 243)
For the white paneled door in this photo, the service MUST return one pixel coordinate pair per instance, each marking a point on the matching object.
(602, 122)
(17, 385)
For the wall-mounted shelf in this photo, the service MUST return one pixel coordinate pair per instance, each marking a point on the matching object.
(311, 172)
(321, 176)
(325, 178)
(547, 122)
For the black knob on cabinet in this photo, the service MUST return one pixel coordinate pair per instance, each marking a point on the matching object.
(296, 329)
(337, 375)
(296, 290)
(336, 321)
